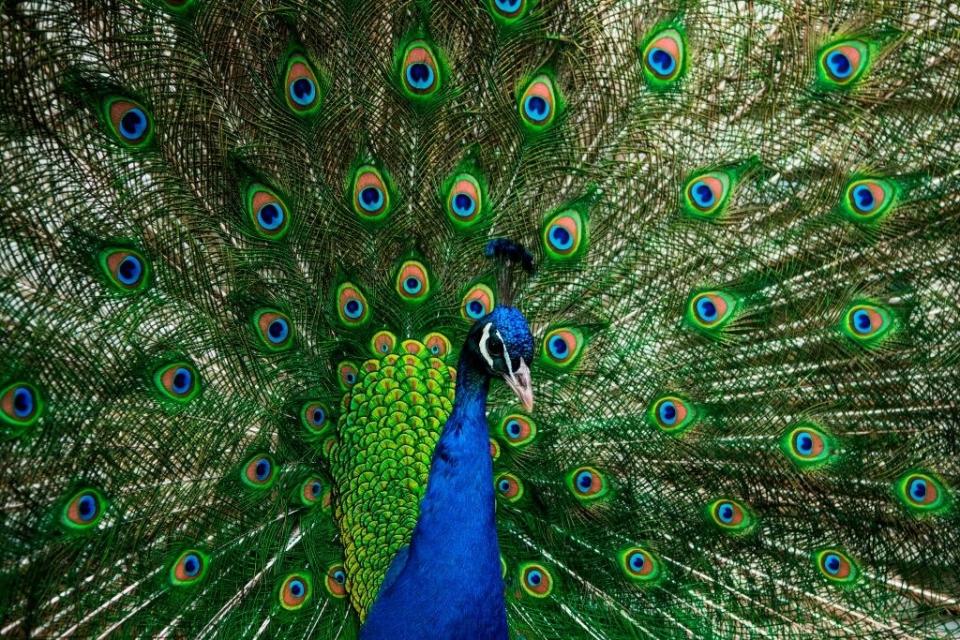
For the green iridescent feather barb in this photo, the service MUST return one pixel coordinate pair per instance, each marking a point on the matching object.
(479, 319)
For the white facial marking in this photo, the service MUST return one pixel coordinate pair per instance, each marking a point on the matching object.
(483, 344)
(506, 354)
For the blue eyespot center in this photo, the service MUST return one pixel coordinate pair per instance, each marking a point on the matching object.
(503, 485)
(262, 470)
(87, 507)
(318, 416)
(513, 428)
(182, 380)
(475, 309)
(412, 285)
(725, 512)
(340, 576)
(668, 412)
(371, 198)
(918, 489)
(584, 481)
(804, 443)
(508, 6)
(558, 347)
(22, 402)
(839, 64)
(133, 124)
(702, 194)
(296, 588)
(129, 270)
(863, 198)
(536, 108)
(560, 237)
(270, 216)
(315, 489)
(861, 321)
(191, 565)
(661, 62)
(463, 205)
(706, 309)
(351, 378)
(353, 308)
(420, 76)
(534, 578)
(637, 561)
(303, 91)
(832, 563)
(278, 330)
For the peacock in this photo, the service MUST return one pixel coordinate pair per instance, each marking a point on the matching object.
(530, 319)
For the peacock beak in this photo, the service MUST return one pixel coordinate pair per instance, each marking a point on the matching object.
(519, 381)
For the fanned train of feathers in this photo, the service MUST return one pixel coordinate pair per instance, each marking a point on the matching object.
(220, 216)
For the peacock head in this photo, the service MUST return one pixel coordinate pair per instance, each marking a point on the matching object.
(503, 345)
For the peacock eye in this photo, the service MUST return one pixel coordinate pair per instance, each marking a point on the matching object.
(731, 515)
(84, 510)
(517, 430)
(586, 483)
(267, 212)
(706, 195)
(274, 329)
(564, 235)
(296, 590)
(189, 568)
(413, 282)
(671, 413)
(20, 405)
(922, 492)
(807, 445)
(129, 122)
(302, 88)
(352, 306)
(536, 580)
(509, 487)
(336, 581)
(437, 344)
(537, 103)
(562, 347)
(640, 565)
(178, 382)
(495, 347)
(508, 11)
(311, 491)
(836, 566)
(348, 374)
(464, 200)
(843, 63)
(664, 58)
(258, 473)
(421, 74)
(371, 199)
(477, 303)
(711, 311)
(126, 269)
(867, 323)
(868, 200)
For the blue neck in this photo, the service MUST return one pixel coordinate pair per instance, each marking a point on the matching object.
(450, 583)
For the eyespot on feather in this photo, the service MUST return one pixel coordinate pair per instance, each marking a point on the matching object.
(296, 590)
(302, 90)
(640, 565)
(587, 484)
(371, 197)
(274, 329)
(731, 516)
(189, 568)
(842, 64)
(178, 382)
(21, 406)
(352, 306)
(129, 122)
(127, 270)
(538, 104)
(535, 580)
(509, 487)
(664, 58)
(413, 282)
(83, 511)
(518, 431)
(336, 580)
(267, 213)
(477, 303)
(259, 472)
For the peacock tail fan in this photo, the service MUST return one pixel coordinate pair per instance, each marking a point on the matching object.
(243, 243)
